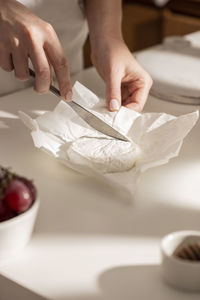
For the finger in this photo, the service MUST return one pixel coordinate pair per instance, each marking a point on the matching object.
(51, 75)
(59, 63)
(113, 92)
(51, 70)
(138, 99)
(139, 91)
(125, 93)
(20, 62)
(42, 69)
(6, 61)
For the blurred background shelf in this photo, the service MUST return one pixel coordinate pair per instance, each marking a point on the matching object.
(186, 7)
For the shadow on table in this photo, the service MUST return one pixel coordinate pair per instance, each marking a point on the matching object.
(139, 282)
(133, 283)
(118, 283)
(10, 290)
(152, 219)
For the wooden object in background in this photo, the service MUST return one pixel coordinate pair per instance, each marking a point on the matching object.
(186, 7)
(178, 24)
(141, 26)
(86, 54)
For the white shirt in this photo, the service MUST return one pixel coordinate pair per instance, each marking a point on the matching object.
(67, 18)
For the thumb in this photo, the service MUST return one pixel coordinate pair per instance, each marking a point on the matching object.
(113, 92)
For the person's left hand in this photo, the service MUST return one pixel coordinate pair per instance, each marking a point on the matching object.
(127, 83)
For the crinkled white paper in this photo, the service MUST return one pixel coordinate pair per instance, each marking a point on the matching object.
(158, 135)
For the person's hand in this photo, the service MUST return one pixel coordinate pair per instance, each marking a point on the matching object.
(23, 35)
(126, 82)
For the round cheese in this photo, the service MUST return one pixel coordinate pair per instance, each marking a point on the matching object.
(103, 155)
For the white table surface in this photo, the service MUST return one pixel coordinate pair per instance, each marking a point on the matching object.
(88, 243)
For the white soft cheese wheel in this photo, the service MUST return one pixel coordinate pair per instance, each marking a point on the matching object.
(104, 155)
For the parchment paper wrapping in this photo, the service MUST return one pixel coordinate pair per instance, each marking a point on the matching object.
(158, 135)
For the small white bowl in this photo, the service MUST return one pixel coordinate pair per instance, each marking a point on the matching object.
(180, 273)
(16, 232)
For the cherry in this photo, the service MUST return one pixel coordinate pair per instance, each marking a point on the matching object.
(30, 185)
(5, 212)
(18, 196)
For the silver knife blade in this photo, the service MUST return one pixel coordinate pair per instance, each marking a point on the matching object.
(89, 117)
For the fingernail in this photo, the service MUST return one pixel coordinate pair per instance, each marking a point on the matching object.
(114, 104)
(69, 96)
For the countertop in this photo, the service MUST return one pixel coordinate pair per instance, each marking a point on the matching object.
(89, 243)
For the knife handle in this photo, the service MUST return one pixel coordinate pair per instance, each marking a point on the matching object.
(52, 88)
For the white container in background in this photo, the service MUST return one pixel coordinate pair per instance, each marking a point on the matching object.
(180, 273)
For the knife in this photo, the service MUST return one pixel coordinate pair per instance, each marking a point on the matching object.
(88, 117)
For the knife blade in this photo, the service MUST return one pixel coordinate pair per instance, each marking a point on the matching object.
(89, 117)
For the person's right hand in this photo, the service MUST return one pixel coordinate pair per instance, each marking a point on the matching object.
(23, 35)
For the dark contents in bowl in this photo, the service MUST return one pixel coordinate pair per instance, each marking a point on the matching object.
(189, 252)
(17, 194)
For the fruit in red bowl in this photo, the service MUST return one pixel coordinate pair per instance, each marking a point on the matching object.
(18, 210)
